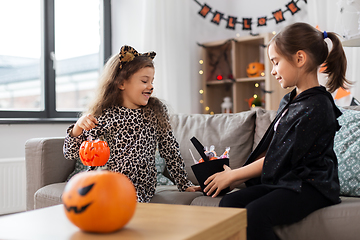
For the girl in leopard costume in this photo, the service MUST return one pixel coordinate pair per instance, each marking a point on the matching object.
(132, 122)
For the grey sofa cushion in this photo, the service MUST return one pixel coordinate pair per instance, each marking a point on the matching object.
(206, 201)
(320, 224)
(221, 130)
(171, 195)
(49, 195)
(262, 122)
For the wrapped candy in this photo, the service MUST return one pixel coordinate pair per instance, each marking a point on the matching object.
(226, 153)
(211, 154)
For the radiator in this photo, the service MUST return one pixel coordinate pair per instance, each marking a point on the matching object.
(12, 185)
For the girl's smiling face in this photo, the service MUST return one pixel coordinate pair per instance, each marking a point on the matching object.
(137, 90)
(284, 71)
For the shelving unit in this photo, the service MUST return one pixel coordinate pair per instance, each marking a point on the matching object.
(229, 59)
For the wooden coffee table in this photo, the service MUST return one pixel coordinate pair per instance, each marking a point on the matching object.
(151, 221)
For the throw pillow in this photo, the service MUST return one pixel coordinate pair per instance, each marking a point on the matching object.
(160, 167)
(79, 167)
(234, 130)
(347, 149)
(263, 120)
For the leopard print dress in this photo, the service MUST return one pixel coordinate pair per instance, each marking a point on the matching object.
(133, 135)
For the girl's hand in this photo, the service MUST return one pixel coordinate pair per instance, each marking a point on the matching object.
(86, 122)
(218, 181)
(193, 189)
(232, 178)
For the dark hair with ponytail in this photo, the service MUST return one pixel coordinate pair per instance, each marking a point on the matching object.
(302, 36)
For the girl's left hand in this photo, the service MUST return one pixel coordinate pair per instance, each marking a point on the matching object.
(218, 181)
(193, 189)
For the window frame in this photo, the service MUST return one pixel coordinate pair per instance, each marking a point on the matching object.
(49, 114)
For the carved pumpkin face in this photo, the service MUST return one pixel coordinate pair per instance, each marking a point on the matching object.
(94, 153)
(99, 201)
(255, 69)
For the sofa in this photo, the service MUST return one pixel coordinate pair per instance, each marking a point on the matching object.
(47, 170)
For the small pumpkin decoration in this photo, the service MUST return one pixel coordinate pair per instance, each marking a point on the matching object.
(99, 201)
(255, 69)
(94, 152)
(255, 102)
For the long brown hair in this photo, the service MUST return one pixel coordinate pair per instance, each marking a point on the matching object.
(302, 36)
(109, 94)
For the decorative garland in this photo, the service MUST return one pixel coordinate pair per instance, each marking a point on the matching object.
(277, 15)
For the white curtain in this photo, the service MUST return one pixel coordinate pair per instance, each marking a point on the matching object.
(161, 26)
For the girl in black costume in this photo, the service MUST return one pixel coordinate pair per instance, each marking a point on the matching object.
(293, 170)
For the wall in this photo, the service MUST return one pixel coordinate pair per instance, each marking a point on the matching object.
(14, 136)
(12, 160)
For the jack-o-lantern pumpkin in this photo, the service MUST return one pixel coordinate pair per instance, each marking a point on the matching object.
(99, 201)
(94, 152)
(255, 69)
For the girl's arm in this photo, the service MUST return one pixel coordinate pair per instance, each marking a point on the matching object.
(228, 177)
(169, 150)
(72, 144)
(76, 135)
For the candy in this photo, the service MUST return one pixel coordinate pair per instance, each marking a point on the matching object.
(211, 154)
(226, 153)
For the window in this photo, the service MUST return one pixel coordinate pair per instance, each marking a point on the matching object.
(51, 54)
(20, 52)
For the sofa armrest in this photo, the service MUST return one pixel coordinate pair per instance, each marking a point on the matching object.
(45, 164)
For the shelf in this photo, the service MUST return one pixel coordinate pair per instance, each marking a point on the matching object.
(217, 82)
(231, 57)
(253, 79)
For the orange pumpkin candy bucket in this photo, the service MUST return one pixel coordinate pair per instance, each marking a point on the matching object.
(94, 152)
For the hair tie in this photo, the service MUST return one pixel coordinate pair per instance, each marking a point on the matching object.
(128, 53)
(325, 34)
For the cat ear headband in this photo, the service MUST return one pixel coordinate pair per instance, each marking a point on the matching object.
(128, 53)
